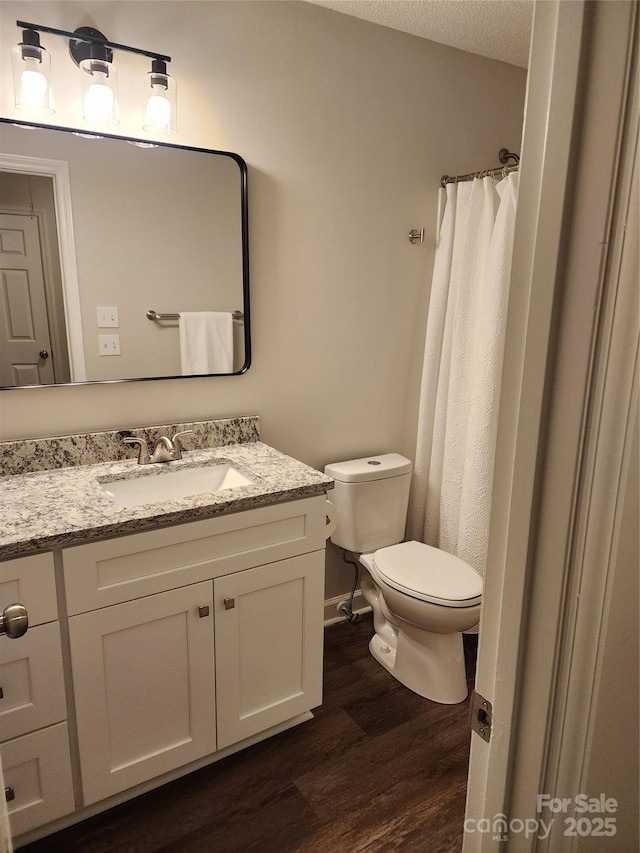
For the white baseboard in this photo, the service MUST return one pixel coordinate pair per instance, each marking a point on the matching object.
(331, 613)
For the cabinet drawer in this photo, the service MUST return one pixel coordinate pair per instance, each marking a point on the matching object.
(31, 681)
(104, 573)
(30, 581)
(37, 776)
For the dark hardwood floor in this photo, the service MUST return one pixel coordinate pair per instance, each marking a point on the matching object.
(378, 769)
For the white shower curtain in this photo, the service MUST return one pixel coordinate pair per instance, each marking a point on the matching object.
(457, 424)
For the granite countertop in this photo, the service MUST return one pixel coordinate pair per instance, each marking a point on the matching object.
(67, 506)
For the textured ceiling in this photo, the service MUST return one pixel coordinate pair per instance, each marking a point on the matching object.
(499, 29)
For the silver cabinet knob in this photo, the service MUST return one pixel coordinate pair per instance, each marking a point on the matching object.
(14, 621)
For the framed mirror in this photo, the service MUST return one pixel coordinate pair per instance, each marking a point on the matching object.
(120, 259)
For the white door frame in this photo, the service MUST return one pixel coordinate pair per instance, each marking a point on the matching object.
(578, 76)
(58, 171)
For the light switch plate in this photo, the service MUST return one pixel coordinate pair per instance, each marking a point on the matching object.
(107, 317)
(109, 344)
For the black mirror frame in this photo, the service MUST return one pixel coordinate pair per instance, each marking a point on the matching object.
(244, 215)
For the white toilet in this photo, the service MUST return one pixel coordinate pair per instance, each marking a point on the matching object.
(422, 598)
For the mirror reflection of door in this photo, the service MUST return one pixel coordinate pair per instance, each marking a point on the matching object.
(33, 346)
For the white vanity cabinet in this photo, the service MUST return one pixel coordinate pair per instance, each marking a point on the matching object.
(187, 640)
(33, 711)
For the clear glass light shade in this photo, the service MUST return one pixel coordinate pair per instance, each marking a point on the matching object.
(31, 76)
(99, 91)
(159, 104)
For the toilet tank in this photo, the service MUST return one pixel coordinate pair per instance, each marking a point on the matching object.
(372, 495)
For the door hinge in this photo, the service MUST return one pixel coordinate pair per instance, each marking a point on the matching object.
(481, 716)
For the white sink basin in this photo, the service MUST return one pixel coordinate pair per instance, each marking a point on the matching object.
(169, 484)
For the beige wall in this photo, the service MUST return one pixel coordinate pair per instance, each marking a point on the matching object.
(347, 128)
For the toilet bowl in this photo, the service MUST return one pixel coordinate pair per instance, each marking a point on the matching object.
(421, 597)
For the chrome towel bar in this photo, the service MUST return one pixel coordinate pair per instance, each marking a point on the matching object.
(238, 316)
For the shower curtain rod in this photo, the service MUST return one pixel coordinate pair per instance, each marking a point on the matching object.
(504, 155)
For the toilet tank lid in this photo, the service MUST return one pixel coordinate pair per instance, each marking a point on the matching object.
(369, 468)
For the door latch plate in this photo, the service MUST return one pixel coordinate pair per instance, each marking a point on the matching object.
(481, 716)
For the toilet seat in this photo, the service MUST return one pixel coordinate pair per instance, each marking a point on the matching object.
(429, 574)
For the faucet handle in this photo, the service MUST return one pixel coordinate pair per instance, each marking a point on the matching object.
(143, 453)
(177, 448)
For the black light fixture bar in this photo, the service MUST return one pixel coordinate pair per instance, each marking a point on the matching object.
(92, 40)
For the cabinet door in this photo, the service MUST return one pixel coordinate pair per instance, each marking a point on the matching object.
(144, 688)
(268, 630)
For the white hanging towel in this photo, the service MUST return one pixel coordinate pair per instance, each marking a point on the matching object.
(206, 342)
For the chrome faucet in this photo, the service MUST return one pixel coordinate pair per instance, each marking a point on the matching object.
(166, 449)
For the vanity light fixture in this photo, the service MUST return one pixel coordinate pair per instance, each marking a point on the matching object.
(99, 78)
(31, 66)
(93, 53)
(160, 99)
